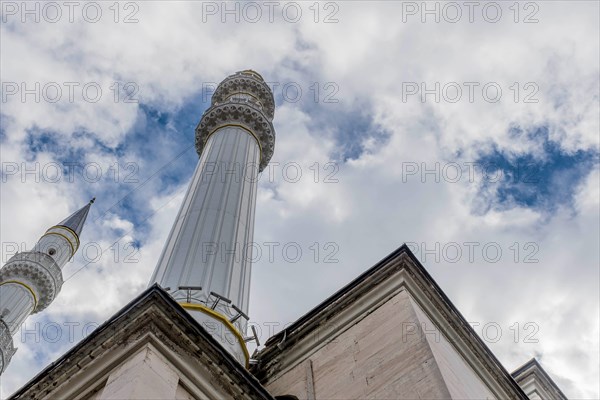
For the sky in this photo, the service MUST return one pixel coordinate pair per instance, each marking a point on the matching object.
(469, 131)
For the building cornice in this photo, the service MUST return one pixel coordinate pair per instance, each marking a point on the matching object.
(533, 372)
(152, 317)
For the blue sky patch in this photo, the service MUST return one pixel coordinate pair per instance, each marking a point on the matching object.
(351, 128)
(542, 179)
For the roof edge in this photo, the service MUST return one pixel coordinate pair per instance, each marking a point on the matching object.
(271, 348)
(152, 293)
(535, 364)
(404, 249)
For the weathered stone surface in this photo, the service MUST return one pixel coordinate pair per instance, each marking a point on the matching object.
(146, 375)
(375, 358)
(462, 382)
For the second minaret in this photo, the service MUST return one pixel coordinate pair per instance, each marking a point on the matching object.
(31, 280)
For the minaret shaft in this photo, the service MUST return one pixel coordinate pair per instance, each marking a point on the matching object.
(210, 244)
(19, 298)
(206, 261)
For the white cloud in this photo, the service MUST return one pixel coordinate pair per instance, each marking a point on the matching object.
(374, 206)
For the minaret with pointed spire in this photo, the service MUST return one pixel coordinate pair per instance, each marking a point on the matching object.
(206, 260)
(31, 280)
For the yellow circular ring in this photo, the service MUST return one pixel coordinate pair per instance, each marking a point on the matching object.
(224, 320)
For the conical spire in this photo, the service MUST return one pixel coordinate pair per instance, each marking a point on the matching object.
(76, 220)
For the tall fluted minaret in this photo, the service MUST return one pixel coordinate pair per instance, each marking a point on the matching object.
(31, 280)
(206, 261)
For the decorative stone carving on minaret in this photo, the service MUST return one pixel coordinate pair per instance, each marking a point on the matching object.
(31, 280)
(206, 261)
